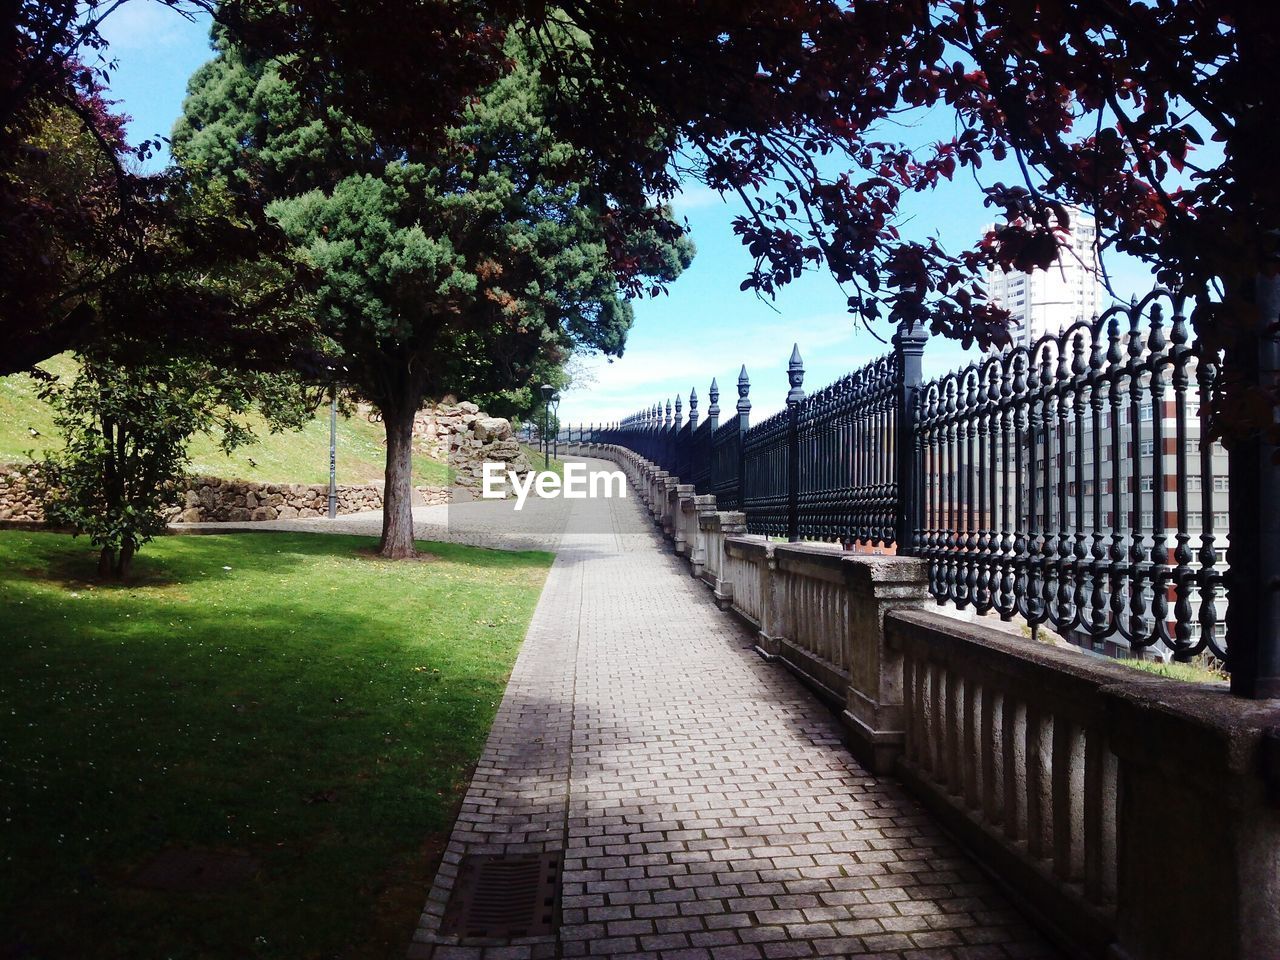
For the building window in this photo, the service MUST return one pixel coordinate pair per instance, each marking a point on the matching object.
(1220, 483)
(1146, 484)
(1146, 448)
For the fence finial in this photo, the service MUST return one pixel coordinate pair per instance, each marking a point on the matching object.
(744, 387)
(693, 406)
(677, 420)
(795, 375)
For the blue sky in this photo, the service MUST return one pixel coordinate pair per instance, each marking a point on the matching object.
(705, 326)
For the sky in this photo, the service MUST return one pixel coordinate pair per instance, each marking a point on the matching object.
(704, 326)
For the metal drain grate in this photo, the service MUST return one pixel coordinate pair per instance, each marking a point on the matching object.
(499, 897)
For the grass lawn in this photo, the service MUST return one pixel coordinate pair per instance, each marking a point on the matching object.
(536, 458)
(300, 456)
(1188, 672)
(280, 696)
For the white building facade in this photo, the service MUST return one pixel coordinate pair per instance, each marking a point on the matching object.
(1049, 301)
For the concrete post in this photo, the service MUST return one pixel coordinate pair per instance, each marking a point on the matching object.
(872, 717)
(1198, 832)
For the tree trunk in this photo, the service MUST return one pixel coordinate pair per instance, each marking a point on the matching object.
(397, 494)
(106, 562)
(124, 560)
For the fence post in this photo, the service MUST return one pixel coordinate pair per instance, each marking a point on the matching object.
(744, 423)
(689, 458)
(1253, 556)
(713, 411)
(795, 376)
(673, 441)
(908, 343)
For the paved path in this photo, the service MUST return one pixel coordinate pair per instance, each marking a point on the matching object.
(479, 523)
(702, 798)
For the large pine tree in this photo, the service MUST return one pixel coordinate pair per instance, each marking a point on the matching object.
(455, 271)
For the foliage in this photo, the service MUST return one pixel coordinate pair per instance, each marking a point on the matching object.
(96, 251)
(126, 431)
(1156, 115)
(280, 695)
(1102, 101)
(479, 261)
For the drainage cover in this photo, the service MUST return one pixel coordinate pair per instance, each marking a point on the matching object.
(501, 897)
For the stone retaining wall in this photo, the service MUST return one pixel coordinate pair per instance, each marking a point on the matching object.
(216, 499)
(18, 500)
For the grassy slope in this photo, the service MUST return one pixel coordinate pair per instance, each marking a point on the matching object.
(301, 457)
(274, 694)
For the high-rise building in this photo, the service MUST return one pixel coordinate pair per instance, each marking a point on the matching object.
(1048, 301)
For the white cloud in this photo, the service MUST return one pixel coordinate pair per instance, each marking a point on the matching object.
(695, 197)
(651, 372)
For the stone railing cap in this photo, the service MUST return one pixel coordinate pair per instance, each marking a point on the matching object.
(750, 544)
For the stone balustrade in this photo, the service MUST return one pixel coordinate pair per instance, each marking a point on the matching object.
(1133, 816)
(1007, 741)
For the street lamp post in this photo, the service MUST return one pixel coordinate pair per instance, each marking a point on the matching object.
(548, 392)
(333, 452)
(555, 409)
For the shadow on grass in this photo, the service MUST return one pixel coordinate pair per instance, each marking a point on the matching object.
(306, 708)
(171, 561)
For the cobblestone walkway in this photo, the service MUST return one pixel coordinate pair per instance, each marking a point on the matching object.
(704, 803)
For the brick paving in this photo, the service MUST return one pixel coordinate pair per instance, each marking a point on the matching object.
(703, 800)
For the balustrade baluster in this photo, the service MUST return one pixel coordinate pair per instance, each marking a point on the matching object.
(1013, 771)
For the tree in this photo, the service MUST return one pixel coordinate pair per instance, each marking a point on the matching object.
(1102, 103)
(459, 272)
(79, 222)
(126, 431)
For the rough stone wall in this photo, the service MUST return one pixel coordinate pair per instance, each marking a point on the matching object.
(469, 438)
(18, 500)
(216, 499)
(484, 440)
(439, 421)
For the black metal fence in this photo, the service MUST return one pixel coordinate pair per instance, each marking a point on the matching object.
(1070, 483)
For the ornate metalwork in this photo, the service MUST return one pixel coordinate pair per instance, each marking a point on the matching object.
(1071, 483)
(848, 434)
(1058, 482)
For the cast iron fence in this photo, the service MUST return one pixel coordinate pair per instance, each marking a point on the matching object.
(1071, 483)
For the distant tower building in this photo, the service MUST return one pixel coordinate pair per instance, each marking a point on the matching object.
(1048, 301)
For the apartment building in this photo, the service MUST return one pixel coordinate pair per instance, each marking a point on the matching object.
(1048, 301)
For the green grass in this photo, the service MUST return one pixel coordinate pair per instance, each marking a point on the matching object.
(1187, 672)
(536, 457)
(280, 695)
(295, 457)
